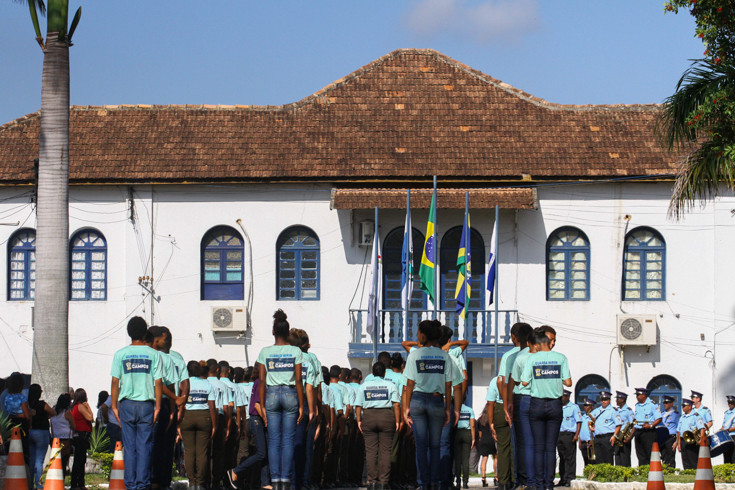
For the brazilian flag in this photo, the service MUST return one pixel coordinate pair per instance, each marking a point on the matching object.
(464, 269)
(427, 271)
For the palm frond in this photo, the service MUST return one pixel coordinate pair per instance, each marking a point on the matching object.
(700, 81)
(39, 4)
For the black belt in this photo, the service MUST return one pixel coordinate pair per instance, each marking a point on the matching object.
(604, 435)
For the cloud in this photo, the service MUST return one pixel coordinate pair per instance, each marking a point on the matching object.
(484, 21)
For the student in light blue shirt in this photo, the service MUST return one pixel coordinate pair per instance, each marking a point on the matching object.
(464, 441)
(198, 425)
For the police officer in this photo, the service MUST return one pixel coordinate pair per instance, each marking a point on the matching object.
(693, 422)
(703, 411)
(606, 426)
(647, 417)
(571, 424)
(587, 436)
(622, 453)
(378, 418)
(670, 420)
(728, 424)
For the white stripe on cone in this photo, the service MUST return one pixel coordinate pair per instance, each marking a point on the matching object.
(655, 476)
(55, 474)
(704, 473)
(117, 475)
(14, 472)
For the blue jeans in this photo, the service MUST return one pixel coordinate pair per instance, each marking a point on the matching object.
(427, 412)
(136, 421)
(298, 475)
(38, 440)
(524, 449)
(310, 442)
(446, 448)
(257, 429)
(114, 432)
(546, 417)
(282, 409)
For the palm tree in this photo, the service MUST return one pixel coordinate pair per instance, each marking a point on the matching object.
(698, 120)
(51, 312)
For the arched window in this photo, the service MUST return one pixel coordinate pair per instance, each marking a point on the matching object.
(393, 266)
(88, 265)
(568, 265)
(297, 263)
(590, 386)
(644, 265)
(664, 385)
(222, 264)
(449, 272)
(22, 265)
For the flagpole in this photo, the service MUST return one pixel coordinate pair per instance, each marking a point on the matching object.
(377, 328)
(496, 292)
(407, 269)
(468, 266)
(436, 257)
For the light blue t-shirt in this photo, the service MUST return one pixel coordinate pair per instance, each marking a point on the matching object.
(376, 393)
(545, 371)
(137, 367)
(517, 370)
(200, 393)
(465, 415)
(280, 362)
(242, 398)
(646, 412)
(181, 371)
(571, 414)
(221, 393)
(506, 363)
(327, 397)
(338, 403)
(231, 391)
(429, 368)
(493, 395)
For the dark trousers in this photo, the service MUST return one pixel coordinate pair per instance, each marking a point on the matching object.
(219, 460)
(730, 452)
(622, 454)
(310, 450)
(196, 431)
(689, 455)
(603, 449)
(357, 461)
(523, 450)
(80, 442)
(567, 457)
(114, 432)
(546, 417)
(644, 439)
(446, 449)
(164, 438)
(584, 450)
(668, 455)
(320, 451)
(299, 453)
(378, 427)
(462, 446)
(504, 471)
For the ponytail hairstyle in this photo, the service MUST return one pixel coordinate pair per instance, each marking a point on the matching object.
(280, 324)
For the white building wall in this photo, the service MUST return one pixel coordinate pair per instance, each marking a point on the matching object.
(695, 322)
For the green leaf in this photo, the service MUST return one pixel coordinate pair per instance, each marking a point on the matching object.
(74, 23)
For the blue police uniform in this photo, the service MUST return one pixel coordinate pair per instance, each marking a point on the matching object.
(606, 421)
(667, 434)
(566, 445)
(622, 453)
(646, 412)
(728, 423)
(693, 422)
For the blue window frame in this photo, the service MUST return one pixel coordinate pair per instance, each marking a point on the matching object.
(590, 386)
(568, 265)
(449, 272)
(664, 385)
(88, 266)
(297, 263)
(222, 264)
(644, 270)
(22, 265)
(392, 269)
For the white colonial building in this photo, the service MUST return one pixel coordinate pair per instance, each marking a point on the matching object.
(207, 219)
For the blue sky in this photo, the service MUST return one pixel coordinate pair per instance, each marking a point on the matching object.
(277, 52)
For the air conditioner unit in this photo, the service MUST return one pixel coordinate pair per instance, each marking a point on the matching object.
(229, 319)
(367, 231)
(636, 329)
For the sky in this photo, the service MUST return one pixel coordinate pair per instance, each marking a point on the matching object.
(278, 52)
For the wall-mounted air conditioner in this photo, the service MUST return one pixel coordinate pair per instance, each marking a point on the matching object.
(636, 329)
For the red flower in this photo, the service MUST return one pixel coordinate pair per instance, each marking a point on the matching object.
(719, 9)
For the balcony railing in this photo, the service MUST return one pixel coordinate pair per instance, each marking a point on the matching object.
(479, 327)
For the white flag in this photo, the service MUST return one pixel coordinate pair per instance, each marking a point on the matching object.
(376, 270)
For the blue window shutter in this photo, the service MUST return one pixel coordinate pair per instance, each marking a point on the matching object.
(22, 265)
(298, 263)
(568, 265)
(222, 259)
(88, 275)
(644, 266)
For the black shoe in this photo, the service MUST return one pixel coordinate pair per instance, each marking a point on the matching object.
(231, 479)
(466, 485)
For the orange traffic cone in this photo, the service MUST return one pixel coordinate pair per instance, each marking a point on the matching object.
(117, 473)
(655, 471)
(16, 477)
(55, 473)
(705, 479)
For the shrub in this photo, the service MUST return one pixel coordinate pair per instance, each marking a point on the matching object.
(105, 462)
(99, 441)
(724, 473)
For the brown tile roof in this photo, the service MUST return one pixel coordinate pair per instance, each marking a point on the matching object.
(446, 198)
(404, 117)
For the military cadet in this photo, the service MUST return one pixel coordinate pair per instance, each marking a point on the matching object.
(728, 424)
(523, 453)
(690, 421)
(607, 425)
(571, 425)
(703, 411)
(464, 441)
(378, 417)
(622, 453)
(224, 414)
(647, 417)
(501, 433)
(670, 421)
(586, 435)
(226, 376)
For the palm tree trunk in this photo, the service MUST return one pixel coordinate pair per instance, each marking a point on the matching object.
(50, 339)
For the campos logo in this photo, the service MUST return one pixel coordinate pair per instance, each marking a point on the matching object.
(280, 363)
(430, 366)
(137, 366)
